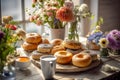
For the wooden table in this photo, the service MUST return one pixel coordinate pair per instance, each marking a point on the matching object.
(34, 73)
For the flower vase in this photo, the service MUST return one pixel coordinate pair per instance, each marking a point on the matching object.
(57, 33)
(104, 52)
(8, 73)
(73, 32)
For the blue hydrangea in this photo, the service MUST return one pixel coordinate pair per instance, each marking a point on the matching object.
(95, 37)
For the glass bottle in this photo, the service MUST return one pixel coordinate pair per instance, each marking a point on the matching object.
(8, 73)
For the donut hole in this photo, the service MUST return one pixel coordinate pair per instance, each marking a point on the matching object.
(63, 57)
(63, 53)
(80, 56)
(32, 34)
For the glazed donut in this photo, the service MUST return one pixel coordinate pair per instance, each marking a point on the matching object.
(36, 55)
(92, 53)
(93, 46)
(55, 42)
(28, 46)
(81, 60)
(71, 44)
(63, 57)
(57, 48)
(44, 48)
(33, 38)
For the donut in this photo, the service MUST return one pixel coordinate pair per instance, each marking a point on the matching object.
(71, 44)
(44, 48)
(45, 41)
(74, 51)
(33, 38)
(55, 42)
(57, 48)
(28, 46)
(93, 46)
(36, 55)
(92, 53)
(81, 60)
(63, 57)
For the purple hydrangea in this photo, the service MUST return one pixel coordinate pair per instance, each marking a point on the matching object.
(114, 39)
(1, 34)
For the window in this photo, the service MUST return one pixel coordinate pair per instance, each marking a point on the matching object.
(16, 9)
(11, 7)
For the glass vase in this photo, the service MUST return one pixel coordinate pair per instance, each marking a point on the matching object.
(73, 31)
(104, 52)
(8, 73)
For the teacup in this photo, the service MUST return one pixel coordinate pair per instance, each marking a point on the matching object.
(22, 62)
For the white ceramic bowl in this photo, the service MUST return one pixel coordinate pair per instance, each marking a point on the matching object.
(22, 62)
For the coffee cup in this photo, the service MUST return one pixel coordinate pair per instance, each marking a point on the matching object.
(48, 66)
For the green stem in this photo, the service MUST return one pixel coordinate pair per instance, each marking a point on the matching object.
(1, 66)
(73, 33)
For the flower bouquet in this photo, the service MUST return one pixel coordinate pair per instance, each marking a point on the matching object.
(45, 11)
(114, 41)
(57, 14)
(110, 43)
(8, 38)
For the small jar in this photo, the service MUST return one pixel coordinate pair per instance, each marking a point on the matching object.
(104, 52)
(8, 73)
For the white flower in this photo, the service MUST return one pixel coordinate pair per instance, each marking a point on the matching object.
(38, 12)
(83, 8)
(103, 42)
(69, 4)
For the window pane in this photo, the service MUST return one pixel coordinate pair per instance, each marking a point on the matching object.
(12, 8)
(31, 27)
(28, 5)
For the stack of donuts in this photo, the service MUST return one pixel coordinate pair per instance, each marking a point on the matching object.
(32, 40)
